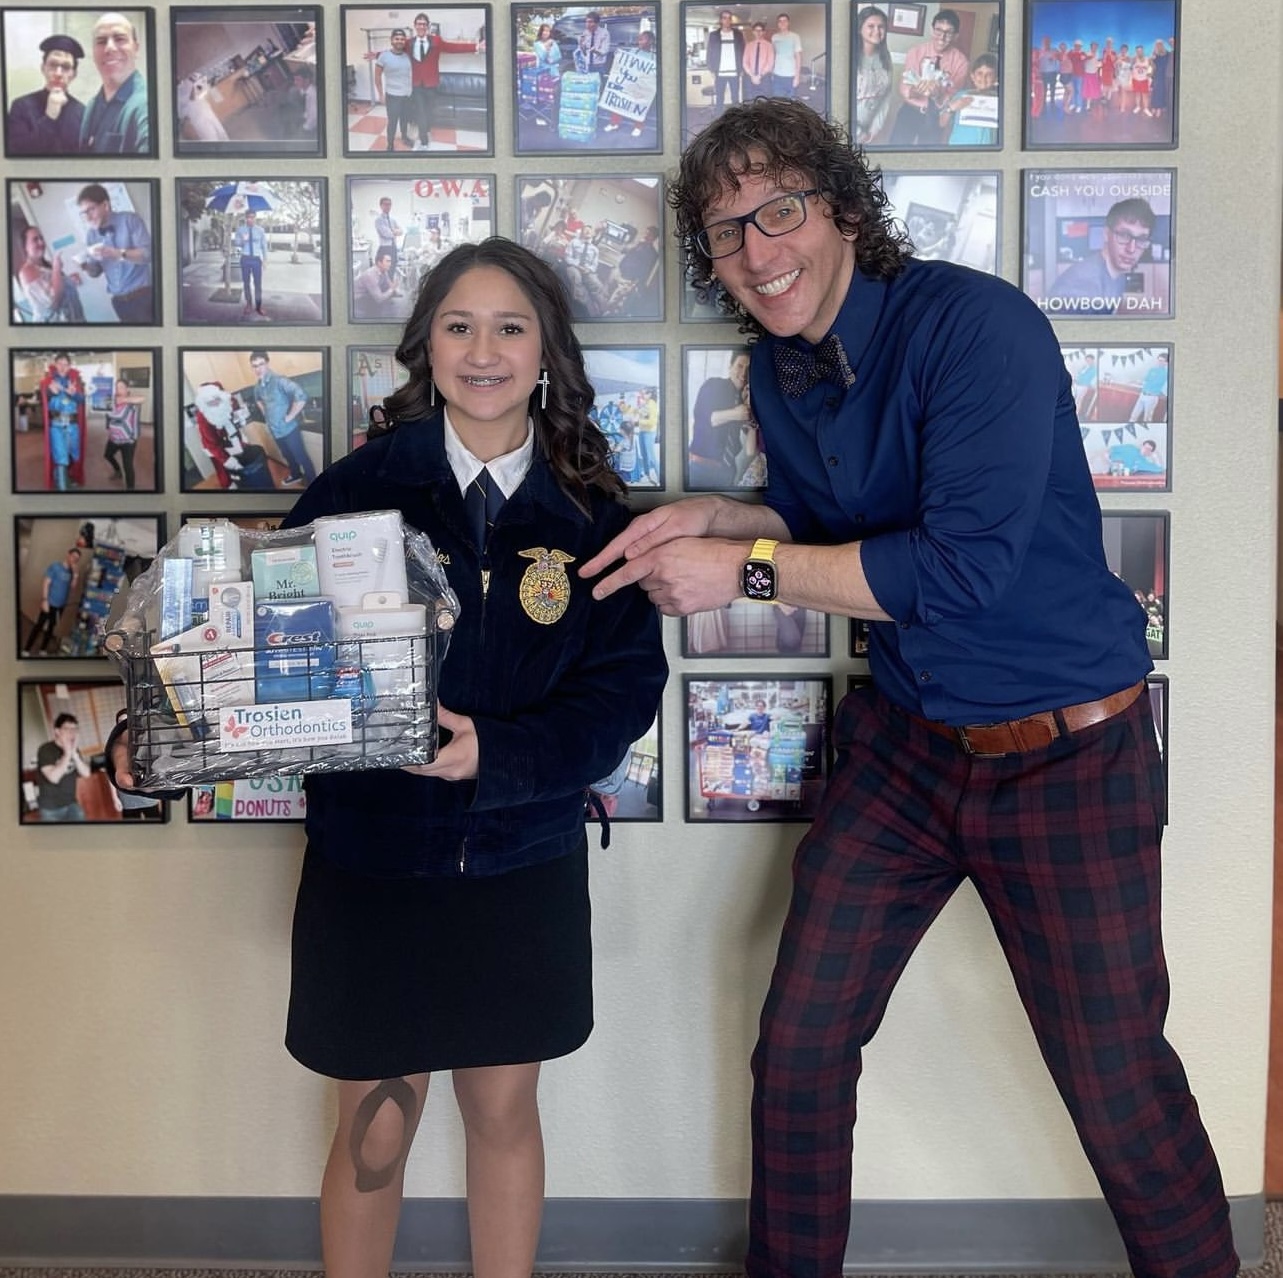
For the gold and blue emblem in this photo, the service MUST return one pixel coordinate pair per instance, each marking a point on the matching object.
(545, 588)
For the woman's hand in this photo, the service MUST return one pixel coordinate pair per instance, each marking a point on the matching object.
(457, 759)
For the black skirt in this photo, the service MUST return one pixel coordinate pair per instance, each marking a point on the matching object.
(401, 976)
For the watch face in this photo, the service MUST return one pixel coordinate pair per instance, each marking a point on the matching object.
(759, 579)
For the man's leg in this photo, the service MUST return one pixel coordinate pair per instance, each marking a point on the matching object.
(869, 877)
(256, 277)
(294, 451)
(247, 292)
(134, 308)
(1064, 847)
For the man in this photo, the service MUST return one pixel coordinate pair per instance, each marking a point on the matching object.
(720, 410)
(375, 290)
(393, 75)
(119, 249)
(933, 72)
(1103, 275)
(117, 121)
(48, 121)
(250, 241)
(593, 51)
(634, 269)
(759, 62)
(786, 75)
(386, 231)
(927, 475)
(301, 104)
(281, 401)
(723, 55)
(1152, 388)
(426, 50)
(63, 390)
(59, 766)
(55, 590)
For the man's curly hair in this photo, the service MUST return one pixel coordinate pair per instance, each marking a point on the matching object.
(779, 139)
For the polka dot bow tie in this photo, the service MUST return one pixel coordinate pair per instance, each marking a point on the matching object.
(798, 370)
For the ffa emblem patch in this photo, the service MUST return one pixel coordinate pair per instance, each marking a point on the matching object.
(545, 589)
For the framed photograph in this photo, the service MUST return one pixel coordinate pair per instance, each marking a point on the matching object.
(252, 251)
(1100, 243)
(906, 19)
(859, 629)
(587, 80)
(248, 799)
(248, 80)
(253, 419)
(372, 375)
(724, 448)
(757, 746)
(1122, 393)
(604, 238)
(927, 77)
(699, 305)
(68, 570)
(76, 82)
(1157, 687)
(1101, 75)
(83, 252)
(950, 217)
(737, 52)
(629, 407)
(62, 730)
(399, 228)
(747, 629)
(416, 81)
(855, 681)
(85, 419)
(634, 791)
(1137, 550)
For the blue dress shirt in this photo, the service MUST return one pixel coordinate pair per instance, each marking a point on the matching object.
(956, 459)
(124, 231)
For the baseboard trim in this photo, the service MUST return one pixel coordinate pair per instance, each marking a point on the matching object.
(591, 1234)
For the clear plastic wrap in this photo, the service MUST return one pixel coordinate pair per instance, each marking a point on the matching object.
(310, 649)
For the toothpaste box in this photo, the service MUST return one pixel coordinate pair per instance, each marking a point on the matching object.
(285, 572)
(294, 650)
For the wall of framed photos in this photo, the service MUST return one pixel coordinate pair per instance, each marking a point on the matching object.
(273, 193)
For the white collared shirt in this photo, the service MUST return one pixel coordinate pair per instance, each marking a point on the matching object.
(507, 471)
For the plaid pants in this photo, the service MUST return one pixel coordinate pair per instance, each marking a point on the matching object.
(1063, 846)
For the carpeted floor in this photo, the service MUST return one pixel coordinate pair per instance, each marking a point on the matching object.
(1272, 1268)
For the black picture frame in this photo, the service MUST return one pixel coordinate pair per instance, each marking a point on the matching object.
(1073, 109)
(1123, 395)
(603, 235)
(634, 791)
(1157, 686)
(950, 215)
(458, 108)
(920, 88)
(613, 100)
(88, 557)
(1138, 550)
(427, 215)
(29, 134)
(858, 638)
(227, 442)
(372, 375)
(248, 81)
(106, 460)
(738, 770)
(220, 283)
(93, 800)
(273, 800)
(630, 408)
(722, 444)
(744, 628)
(1098, 272)
(70, 268)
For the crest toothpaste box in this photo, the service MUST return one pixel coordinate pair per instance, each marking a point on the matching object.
(294, 650)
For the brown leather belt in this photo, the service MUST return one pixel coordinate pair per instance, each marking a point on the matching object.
(1034, 731)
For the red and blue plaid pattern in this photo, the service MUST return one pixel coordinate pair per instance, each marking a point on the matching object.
(1062, 844)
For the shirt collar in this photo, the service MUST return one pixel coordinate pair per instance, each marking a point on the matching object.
(507, 471)
(857, 320)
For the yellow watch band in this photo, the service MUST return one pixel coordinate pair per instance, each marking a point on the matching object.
(763, 548)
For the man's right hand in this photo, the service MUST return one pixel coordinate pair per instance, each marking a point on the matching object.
(55, 102)
(690, 517)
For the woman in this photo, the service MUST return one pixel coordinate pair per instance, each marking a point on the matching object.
(1123, 79)
(54, 296)
(1160, 82)
(547, 52)
(442, 920)
(873, 75)
(123, 429)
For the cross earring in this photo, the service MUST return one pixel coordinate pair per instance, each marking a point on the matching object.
(542, 383)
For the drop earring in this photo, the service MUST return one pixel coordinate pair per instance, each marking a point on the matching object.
(432, 394)
(542, 383)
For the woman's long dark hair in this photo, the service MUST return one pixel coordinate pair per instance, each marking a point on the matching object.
(780, 140)
(575, 449)
(883, 54)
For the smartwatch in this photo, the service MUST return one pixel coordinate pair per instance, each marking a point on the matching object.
(757, 576)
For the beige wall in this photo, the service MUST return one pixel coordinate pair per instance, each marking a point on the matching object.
(143, 973)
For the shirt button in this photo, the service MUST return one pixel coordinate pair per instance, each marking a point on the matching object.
(830, 401)
(904, 625)
(925, 676)
(859, 519)
(833, 461)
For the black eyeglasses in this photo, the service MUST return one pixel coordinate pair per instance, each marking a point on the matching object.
(779, 216)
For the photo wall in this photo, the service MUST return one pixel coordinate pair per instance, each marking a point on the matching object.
(218, 220)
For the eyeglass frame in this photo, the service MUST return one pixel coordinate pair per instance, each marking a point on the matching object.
(1131, 239)
(744, 220)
